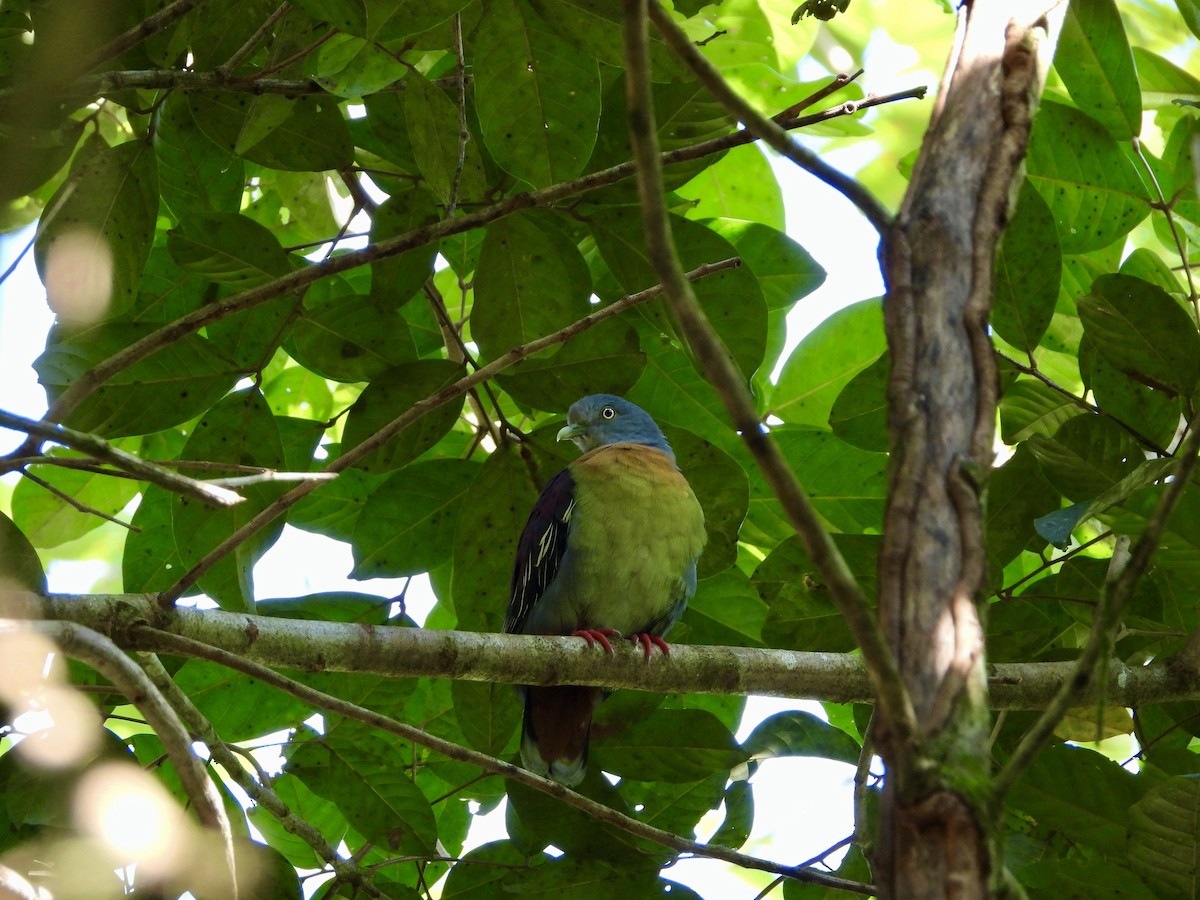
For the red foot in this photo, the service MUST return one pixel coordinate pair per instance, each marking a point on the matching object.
(651, 640)
(599, 636)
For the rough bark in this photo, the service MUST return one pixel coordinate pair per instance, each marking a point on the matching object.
(935, 839)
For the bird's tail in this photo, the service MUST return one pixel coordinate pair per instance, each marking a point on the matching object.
(554, 736)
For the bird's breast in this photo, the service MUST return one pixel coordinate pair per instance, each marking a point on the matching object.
(636, 533)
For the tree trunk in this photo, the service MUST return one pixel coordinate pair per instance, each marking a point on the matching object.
(936, 837)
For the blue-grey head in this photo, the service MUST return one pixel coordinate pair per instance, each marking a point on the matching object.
(600, 419)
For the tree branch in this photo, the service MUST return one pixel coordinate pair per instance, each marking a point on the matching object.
(127, 462)
(301, 278)
(139, 32)
(764, 128)
(101, 654)
(715, 363)
(311, 646)
(260, 793)
(490, 764)
(414, 412)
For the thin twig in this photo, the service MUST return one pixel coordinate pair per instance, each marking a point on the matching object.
(1007, 590)
(596, 810)
(294, 58)
(139, 32)
(1113, 597)
(103, 450)
(16, 262)
(101, 654)
(765, 128)
(260, 792)
(76, 503)
(839, 81)
(1178, 238)
(414, 412)
(721, 372)
(270, 476)
(464, 134)
(261, 33)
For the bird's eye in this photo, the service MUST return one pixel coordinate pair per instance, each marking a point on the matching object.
(608, 413)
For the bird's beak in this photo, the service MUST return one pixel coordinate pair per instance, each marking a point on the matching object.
(571, 432)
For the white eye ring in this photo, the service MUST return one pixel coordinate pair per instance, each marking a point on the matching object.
(608, 413)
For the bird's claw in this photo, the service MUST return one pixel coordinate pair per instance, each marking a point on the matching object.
(650, 640)
(595, 636)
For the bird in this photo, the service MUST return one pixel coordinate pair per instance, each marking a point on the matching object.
(610, 549)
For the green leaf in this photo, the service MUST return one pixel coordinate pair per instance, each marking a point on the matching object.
(349, 16)
(1162, 81)
(1164, 837)
(824, 362)
(1056, 526)
(1093, 190)
(48, 520)
(150, 561)
(799, 733)
(739, 186)
(239, 429)
(731, 299)
(302, 134)
(675, 745)
(395, 279)
(334, 507)
(407, 524)
(726, 611)
(538, 99)
(594, 28)
(859, 414)
(531, 281)
(351, 338)
(356, 768)
(721, 486)
(194, 174)
(847, 486)
(1094, 61)
(316, 811)
(1017, 494)
(433, 130)
(802, 614)
(1032, 407)
(605, 359)
(1096, 879)
(20, 566)
(101, 231)
(674, 807)
(785, 270)
(485, 544)
(1143, 332)
(1081, 794)
(1152, 414)
(238, 707)
(387, 397)
(739, 817)
(170, 386)
(352, 67)
(488, 714)
(391, 20)
(227, 248)
(1088, 456)
(1028, 272)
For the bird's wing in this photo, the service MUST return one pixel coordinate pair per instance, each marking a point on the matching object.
(541, 548)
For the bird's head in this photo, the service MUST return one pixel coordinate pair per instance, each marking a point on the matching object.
(600, 419)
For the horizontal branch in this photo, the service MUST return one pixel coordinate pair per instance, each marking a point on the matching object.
(316, 646)
(102, 450)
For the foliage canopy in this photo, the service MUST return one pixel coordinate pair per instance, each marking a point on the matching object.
(305, 221)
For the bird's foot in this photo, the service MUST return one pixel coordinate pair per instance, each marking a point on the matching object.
(595, 636)
(650, 640)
